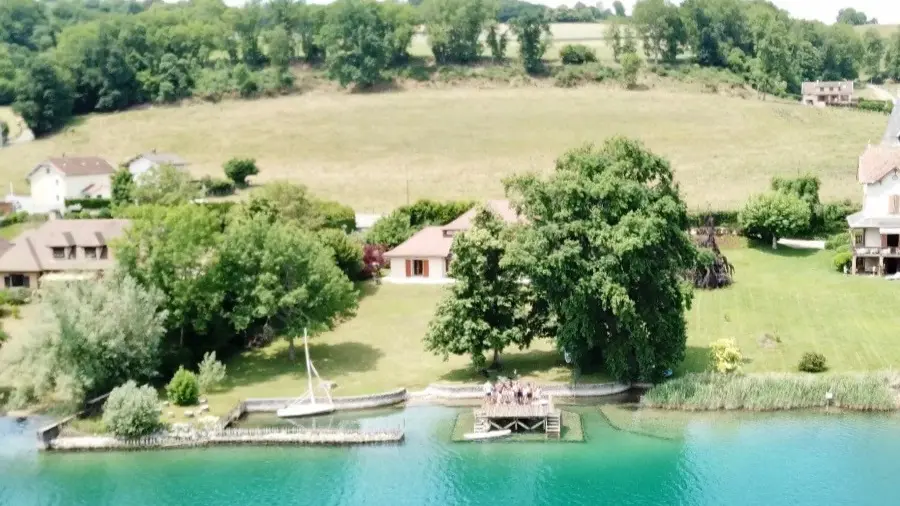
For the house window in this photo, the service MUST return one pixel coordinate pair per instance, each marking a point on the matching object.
(16, 281)
(103, 253)
(857, 239)
(90, 253)
(59, 253)
(418, 268)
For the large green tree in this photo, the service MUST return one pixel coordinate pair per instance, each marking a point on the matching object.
(356, 41)
(875, 47)
(488, 308)
(774, 215)
(660, 26)
(91, 336)
(455, 26)
(175, 250)
(606, 249)
(282, 275)
(533, 33)
(164, 185)
(44, 97)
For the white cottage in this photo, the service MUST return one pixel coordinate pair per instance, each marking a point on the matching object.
(425, 257)
(875, 230)
(143, 162)
(68, 177)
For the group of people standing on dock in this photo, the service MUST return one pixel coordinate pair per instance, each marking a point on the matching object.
(507, 391)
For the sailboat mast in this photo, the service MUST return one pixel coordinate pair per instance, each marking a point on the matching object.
(312, 395)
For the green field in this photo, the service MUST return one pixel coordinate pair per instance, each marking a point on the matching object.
(362, 149)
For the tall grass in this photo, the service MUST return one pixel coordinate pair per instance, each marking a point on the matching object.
(770, 392)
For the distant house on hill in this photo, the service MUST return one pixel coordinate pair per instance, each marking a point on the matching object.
(146, 161)
(425, 257)
(828, 93)
(59, 249)
(68, 177)
(875, 230)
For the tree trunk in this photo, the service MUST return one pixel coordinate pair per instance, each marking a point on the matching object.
(774, 242)
(496, 364)
(292, 355)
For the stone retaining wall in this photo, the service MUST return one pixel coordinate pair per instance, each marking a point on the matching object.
(556, 390)
(340, 403)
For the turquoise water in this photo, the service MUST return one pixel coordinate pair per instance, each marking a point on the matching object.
(769, 460)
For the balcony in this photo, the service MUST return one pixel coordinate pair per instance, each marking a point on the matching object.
(862, 251)
(890, 252)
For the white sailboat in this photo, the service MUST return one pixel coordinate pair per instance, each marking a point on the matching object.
(307, 405)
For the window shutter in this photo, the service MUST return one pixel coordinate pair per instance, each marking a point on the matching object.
(425, 268)
(409, 268)
(894, 204)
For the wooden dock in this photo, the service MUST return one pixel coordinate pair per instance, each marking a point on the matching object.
(537, 417)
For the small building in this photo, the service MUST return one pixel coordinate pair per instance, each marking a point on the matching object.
(143, 162)
(425, 257)
(68, 177)
(828, 93)
(875, 231)
(61, 249)
(365, 221)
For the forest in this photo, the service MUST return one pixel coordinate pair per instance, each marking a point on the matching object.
(60, 58)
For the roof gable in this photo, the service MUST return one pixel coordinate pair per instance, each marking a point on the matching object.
(158, 158)
(76, 166)
(32, 251)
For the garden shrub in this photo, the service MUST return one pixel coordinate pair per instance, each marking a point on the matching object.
(14, 218)
(725, 356)
(131, 411)
(336, 215)
(837, 241)
(882, 106)
(239, 169)
(184, 389)
(577, 54)
(216, 187)
(348, 253)
(841, 260)
(831, 218)
(569, 76)
(16, 296)
(210, 372)
(775, 215)
(812, 362)
(373, 260)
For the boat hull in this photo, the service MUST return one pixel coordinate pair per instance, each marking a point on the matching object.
(302, 410)
(480, 436)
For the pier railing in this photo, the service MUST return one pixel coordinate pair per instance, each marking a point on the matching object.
(535, 410)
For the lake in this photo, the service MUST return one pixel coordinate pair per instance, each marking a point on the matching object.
(781, 459)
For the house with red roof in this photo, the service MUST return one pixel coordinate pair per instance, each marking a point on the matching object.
(69, 177)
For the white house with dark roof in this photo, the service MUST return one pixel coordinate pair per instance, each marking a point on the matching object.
(826, 93)
(875, 231)
(425, 257)
(68, 177)
(146, 161)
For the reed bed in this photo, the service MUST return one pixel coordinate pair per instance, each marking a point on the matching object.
(771, 392)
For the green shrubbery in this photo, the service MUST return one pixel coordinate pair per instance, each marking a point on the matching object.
(768, 392)
(131, 411)
(336, 215)
(239, 169)
(577, 54)
(184, 389)
(774, 215)
(348, 252)
(215, 187)
(882, 106)
(16, 296)
(725, 356)
(812, 362)
(841, 260)
(210, 372)
(569, 76)
(405, 221)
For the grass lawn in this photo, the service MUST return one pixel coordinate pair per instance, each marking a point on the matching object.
(790, 294)
(378, 350)
(460, 142)
(797, 297)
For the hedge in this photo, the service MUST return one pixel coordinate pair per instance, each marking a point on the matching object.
(89, 203)
(882, 106)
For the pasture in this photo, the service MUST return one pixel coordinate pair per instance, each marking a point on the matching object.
(375, 151)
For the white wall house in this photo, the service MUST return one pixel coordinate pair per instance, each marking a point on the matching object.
(69, 177)
(145, 161)
(425, 257)
(875, 231)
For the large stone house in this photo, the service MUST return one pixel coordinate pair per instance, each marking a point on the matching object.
(825, 93)
(68, 177)
(425, 257)
(59, 249)
(875, 231)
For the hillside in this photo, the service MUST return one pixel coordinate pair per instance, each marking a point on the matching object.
(460, 142)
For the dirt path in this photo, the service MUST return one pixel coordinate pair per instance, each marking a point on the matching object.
(882, 93)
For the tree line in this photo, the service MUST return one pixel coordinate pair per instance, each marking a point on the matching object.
(775, 52)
